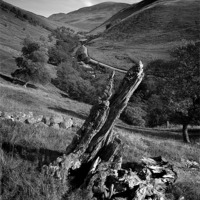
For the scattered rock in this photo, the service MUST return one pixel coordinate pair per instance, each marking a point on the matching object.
(6, 115)
(46, 120)
(55, 126)
(20, 117)
(40, 125)
(30, 121)
(39, 118)
(56, 119)
(29, 115)
(67, 123)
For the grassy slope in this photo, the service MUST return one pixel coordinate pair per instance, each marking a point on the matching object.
(139, 142)
(149, 33)
(45, 100)
(137, 145)
(48, 100)
(89, 17)
(13, 30)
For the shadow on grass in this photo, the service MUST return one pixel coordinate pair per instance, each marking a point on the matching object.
(16, 81)
(68, 112)
(41, 155)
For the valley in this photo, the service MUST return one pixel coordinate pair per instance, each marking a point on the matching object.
(61, 67)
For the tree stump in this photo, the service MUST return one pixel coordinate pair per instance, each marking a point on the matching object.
(93, 160)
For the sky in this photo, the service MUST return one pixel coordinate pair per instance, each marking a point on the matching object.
(49, 7)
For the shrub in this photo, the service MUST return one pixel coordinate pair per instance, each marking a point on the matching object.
(32, 63)
(134, 116)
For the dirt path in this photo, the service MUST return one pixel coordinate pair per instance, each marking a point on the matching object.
(95, 62)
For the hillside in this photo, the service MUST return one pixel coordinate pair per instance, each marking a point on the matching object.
(161, 20)
(15, 25)
(88, 18)
(123, 14)
(148, 30)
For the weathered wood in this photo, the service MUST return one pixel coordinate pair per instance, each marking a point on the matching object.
(94, 158)
(93, 123)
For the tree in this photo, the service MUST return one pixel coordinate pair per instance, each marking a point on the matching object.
(134, 115)
(32, 62)
(180, 82)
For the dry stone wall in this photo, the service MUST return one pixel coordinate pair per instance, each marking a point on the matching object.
(54, 121)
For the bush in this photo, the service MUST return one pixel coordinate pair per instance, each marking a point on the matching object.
(32, 63)
(134, 116)
(70, 81)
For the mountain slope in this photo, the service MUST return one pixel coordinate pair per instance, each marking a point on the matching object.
(88, 18)
(162, 21)
(146, 31)
(15, 25)
(122, 14)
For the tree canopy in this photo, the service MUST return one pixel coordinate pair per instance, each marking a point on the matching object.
(179, 81)
(32, 62)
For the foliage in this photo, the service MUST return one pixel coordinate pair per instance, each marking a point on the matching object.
(65, 44)
(57, 55)
(70, 81)
(32, 62)
(134, 115)
(181, 83)
(65, 38)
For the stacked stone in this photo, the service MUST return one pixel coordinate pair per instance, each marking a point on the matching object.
(54, 121)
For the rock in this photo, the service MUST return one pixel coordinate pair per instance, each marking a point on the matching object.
(40, 125)
(0, 113)
(56, 119)
(62, 125)
(46, 120)
(55, 126)
(67, 123)
(7, 115)
(29, 115)
(20, 116)
(30, 121)
(39, 118)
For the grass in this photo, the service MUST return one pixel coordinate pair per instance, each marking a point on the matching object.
(22, 180)
(88, 18)
(138, 145)
(124, 54)
(146, 33)
(45, 100)
(35, 143)
(49, 143)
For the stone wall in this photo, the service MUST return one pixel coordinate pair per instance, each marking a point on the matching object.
(55, 121)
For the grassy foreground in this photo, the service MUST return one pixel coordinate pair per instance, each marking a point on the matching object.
(24, 146)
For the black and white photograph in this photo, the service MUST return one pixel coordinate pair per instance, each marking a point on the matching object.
(100, 100)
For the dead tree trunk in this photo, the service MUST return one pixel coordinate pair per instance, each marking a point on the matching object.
(93, 159)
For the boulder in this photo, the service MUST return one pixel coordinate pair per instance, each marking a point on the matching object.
(56, 119)
(46, 120)
(38, 118)
(20, 116)
(67, 123)
(55, 126)
(40, 125)
(7, 115)
(29, 115)
(30, 121)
